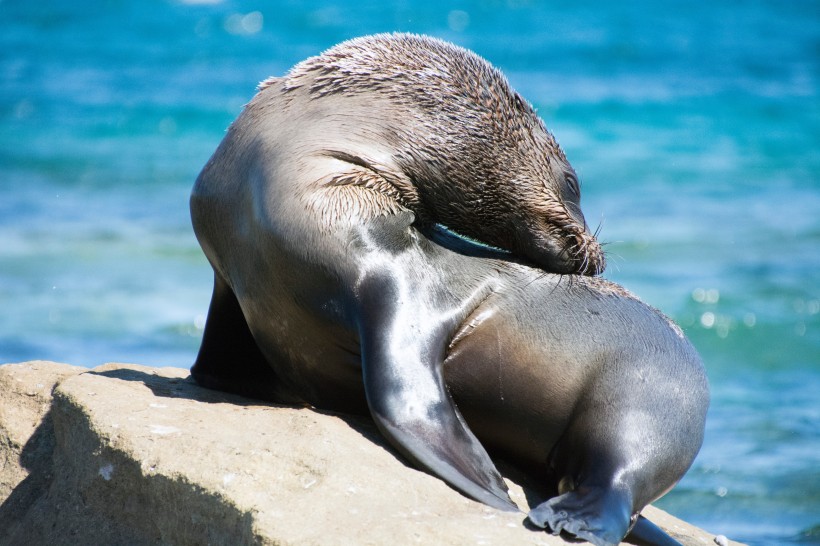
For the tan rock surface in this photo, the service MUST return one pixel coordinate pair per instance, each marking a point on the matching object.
(144, 456)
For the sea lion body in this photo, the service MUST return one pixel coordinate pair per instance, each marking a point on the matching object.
(328, 292)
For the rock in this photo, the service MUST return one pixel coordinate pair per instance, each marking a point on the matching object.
(126, 454)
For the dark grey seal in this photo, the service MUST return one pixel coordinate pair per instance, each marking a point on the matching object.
(315, 213)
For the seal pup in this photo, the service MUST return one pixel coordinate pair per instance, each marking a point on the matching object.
(378, 126)
(404, 121)
(326, 293)
(454, 352)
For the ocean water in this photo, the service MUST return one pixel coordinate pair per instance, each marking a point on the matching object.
(695, 129)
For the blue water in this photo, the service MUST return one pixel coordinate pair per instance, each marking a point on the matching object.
(695, 128)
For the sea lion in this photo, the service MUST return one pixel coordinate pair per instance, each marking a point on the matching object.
(451, 349)
(400, 121)
(313, 212)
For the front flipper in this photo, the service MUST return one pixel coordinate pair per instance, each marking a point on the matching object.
(229, 359)
(403, 342)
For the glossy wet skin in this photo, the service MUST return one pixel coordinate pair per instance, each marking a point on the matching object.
(314, 213)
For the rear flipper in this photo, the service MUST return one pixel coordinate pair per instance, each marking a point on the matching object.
(229, 359)
(600, 515)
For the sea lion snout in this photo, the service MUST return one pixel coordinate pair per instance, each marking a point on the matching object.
(578, 245)
(567, 250)
(552, 233)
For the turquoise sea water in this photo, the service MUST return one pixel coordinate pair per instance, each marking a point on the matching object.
(695, 129)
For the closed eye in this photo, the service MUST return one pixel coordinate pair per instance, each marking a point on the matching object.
(574, 186)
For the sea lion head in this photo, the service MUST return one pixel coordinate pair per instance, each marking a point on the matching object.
(466, 150)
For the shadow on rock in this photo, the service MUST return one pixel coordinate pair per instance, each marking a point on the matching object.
(37, 457)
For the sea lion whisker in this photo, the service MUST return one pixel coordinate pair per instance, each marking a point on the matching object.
(584, 264)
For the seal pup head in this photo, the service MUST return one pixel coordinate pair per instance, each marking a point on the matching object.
(478, 158)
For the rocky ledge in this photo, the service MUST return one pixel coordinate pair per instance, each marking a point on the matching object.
(127, 454)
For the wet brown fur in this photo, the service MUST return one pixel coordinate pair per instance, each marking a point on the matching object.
(478, 158)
